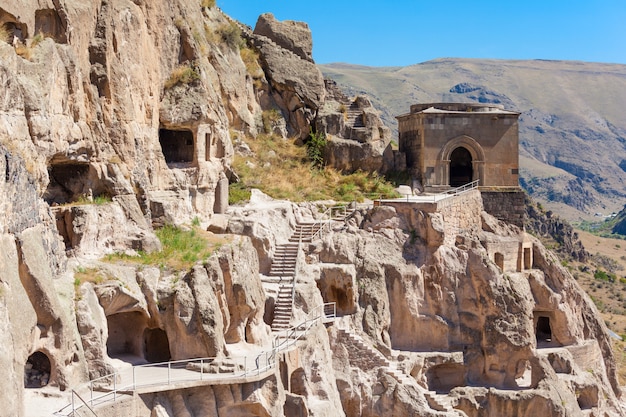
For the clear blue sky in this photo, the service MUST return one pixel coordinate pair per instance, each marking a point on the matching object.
(405, 32)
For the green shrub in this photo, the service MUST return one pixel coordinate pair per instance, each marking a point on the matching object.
(315, 148)
(238, 193)
(207, 3)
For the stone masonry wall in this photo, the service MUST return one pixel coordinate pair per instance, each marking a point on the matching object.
(507, 206)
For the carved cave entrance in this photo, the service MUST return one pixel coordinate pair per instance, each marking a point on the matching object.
(37, 370)
(527, 258)
(177, 145)
(49, 23)
(461, 171)
(499, 260)
(156, 345)
(68, 182)
(543, 330)
(132, 341)
(443, 378)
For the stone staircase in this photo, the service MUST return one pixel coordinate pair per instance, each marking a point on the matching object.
(283, 271)
(354, 117)
(283, 308)
(304, 232)
(366, 357)
(284, 262)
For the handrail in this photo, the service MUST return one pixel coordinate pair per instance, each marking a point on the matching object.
(326, 311)
(242, 366)
(326, 220)
(434, 197)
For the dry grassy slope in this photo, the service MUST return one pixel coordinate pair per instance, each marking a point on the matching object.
(572, 129)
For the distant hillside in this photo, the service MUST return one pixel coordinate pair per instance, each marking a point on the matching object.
(620, 223)
(572, 127)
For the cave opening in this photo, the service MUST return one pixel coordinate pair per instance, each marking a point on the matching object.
(37, 370)
(443, 378)
(177, 145)
(543, 330)
(125, 341)
(156, 345)
(528, 258)
(68, 182)
(461, 171)
(49, 23)
(499, 260)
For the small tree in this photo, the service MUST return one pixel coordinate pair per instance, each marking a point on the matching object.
(315, 148)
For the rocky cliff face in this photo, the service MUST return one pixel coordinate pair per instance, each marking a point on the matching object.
(452, 312)
(115, 116)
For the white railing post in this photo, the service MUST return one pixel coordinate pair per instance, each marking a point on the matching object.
(201, 368)
(169, 366)
(134, 379)
(114, 389)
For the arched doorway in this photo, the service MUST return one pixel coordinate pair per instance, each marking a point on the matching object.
(461, 171)
(37, 370)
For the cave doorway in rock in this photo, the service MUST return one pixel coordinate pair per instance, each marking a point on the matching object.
(69, 181)
(214, 147)
(527, 258)
(49, 23)
(443, 378)
(178, 146)
(543, 330)
(339, 296)
(126, 336)
(37, 370)
(499, 260)
(156, 345)
(461, 171)
(297, 382)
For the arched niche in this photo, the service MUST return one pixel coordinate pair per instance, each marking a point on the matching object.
(462, 149)
(37, 370)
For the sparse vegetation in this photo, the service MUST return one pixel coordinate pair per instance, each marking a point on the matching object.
(250, 58)
(270, 118)
(282, 170)
(230, 34)
(183, 74)
(209, 4)
(315, 148)
(180, 249)
(93, 275)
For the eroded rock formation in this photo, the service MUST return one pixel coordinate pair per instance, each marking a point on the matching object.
(115, 117)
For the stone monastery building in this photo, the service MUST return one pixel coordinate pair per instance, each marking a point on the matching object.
(452, 144)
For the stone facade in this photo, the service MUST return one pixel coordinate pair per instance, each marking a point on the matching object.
(508, 205)
(452, 144)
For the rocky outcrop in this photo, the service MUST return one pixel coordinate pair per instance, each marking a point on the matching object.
(39, 337)
(547, 224)
(293, 36)
(295, 85)
(141, 315)
(356, 137)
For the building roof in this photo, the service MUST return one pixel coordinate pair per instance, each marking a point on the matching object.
(458, 108)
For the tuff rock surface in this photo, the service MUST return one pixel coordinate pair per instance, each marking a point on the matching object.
(118, 119)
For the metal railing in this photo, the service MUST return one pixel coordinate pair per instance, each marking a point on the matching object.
(113, 386)
(286, 338)
(433, 197)
(324, 224)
